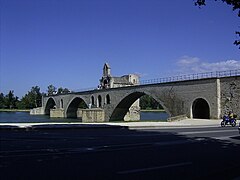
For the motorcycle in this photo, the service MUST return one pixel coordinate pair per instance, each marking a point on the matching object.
(239, 128)
(227, 120)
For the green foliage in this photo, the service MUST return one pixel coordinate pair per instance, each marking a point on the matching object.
(82, 105)
(51, 90)
(9, 101)
(2, 100)
(147, 102)
(66, 90)
(63, 91)
(32, 99)
(60, 90)
(234, 3)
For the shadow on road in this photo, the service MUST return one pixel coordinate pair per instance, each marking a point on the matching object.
(115, 153)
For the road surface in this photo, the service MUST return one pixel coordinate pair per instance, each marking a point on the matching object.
(120, 153)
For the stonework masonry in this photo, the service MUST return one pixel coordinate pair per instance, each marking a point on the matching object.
(230, 95)
(93, 115)
(210, 97)
(55, 113)
(37, 111)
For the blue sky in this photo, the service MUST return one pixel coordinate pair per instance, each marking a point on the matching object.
(66, 42)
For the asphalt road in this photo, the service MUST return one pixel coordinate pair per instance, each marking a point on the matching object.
(120, 153)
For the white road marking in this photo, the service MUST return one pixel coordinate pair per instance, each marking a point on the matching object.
(154, 168)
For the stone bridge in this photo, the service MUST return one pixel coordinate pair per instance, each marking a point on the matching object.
(207, 98)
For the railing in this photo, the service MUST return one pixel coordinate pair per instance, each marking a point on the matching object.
(217, 74)
(84, 89)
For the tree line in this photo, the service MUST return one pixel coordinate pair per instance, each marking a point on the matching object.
(31, 99)
(149, 103)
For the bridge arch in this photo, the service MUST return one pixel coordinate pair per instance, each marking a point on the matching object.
(72, 108)
(92, 100)
(108, 100)
(99, 101)
(200, 109)
(123, 106)
(61, 103)
(49, 105)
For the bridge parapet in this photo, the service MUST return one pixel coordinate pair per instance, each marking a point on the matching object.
(197, 76)
(206, 95)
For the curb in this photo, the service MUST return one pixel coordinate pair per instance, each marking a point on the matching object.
(99, 126)
(57, 126)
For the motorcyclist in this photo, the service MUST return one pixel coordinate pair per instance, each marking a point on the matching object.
(230, 115)
(229, 119)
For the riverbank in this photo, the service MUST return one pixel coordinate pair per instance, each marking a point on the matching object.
(14, 110)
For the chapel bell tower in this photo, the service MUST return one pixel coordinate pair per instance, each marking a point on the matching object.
(106, 77)
(106, 70)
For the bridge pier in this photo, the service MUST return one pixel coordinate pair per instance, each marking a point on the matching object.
(57, 113)
(37, 111)
(93, 115)
(133, 114)
(208, 98)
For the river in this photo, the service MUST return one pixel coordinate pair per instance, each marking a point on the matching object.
(23, 117)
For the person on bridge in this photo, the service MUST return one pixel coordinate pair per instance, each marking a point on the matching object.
(230, 115)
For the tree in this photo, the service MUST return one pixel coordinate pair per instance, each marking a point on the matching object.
(60, 90)
(36, 96)
(10, 100)
(32, 99)
(51, 90)
(63, 91)
(66, 90)
(147, 102)
(82, 105)
(2, 104)
(235, 6)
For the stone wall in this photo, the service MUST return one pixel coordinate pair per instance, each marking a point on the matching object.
(37, 111)
(230, 95)
(93, 115)
(133, 114)
(57, 113)
(79, 113)
(177, 98)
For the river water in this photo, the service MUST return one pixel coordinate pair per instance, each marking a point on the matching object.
(18, 117)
